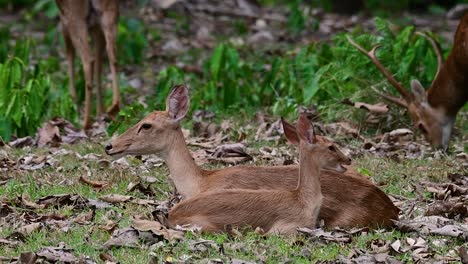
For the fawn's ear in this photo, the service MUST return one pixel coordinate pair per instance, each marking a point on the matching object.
(177, 102)
(305, 130)
(290, 132)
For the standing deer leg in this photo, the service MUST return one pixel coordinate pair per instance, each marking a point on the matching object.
(70, 54)
(80, 42)
(99, 43)
(109, 27)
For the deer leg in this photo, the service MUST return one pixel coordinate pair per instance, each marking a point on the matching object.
(70, 54)
(109, 27)
(284, 228)
(99, 43)
(80, 42)
(196, 222)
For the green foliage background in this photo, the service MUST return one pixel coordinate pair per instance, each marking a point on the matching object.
(234, 79)
(321, 74)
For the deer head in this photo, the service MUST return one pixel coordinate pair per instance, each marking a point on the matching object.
(155, 133)
(433, 112)
(331, 157)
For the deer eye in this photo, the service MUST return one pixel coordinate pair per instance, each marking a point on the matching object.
(332, 148)
(422, 128)
(146, 126)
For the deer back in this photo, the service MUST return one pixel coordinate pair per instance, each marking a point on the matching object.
(450, 88)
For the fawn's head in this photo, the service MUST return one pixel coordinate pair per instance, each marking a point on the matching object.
(329, 156)
(155, 133)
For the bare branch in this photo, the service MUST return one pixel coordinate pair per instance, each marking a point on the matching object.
(393, 99)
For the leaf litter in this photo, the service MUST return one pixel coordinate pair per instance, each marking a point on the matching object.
(441, 215)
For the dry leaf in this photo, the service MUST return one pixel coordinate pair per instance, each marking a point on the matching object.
(48, 134)
(127, 237)
(95, 184)
(115, 198)
(22, 142)
(84, 218)
(157, 229)
(9, 243)
(57, 254)
(27, 258)
(379, 108)
(28, 229)
(463, 253)
(449, 209)
(26, 201)
(146, 225)
(109, 226)
(108, 258)
(396, 245)
(452, 231)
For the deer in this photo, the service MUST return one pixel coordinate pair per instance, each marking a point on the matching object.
(274, 211)
(433, 112)
(97, 20)
(364, 205)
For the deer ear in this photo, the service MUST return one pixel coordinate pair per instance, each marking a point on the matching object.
(418, 91)
(177, 102)
(290, 132)
(305, 130)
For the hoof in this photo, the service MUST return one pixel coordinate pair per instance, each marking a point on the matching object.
(87, 124)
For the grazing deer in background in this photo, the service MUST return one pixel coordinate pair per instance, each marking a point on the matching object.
(95, 19)
(434, 112)
(350, 199)
(275, 211)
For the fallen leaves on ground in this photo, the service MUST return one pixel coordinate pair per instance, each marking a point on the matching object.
(142, 231)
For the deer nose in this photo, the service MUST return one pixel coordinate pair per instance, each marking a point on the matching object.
(348, 161)
(108, 148)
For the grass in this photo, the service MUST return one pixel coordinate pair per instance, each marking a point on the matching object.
(86, 240)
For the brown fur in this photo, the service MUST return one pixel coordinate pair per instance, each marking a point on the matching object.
(450, 90)
(350, 200)
(96, 19)
(363, 205)
(275, 211)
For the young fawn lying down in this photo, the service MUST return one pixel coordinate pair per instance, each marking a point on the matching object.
(275, 211)
(350, 200)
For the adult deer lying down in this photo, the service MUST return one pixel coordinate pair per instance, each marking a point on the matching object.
(349, 199)
(434, 112)
(275, 211)
(96, 19)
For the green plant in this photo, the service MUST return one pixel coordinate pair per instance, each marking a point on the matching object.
(127, 117)
(296, 19)
(27, 94)
(319, 74)
(4, 45)
(23, 98)
(131, 41)
(47, 7)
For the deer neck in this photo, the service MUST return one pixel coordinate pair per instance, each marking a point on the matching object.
(308, 186)
(184, 172)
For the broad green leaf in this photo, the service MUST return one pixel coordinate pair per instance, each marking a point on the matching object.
(313, 85)
(216, 61)
(5, 128)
